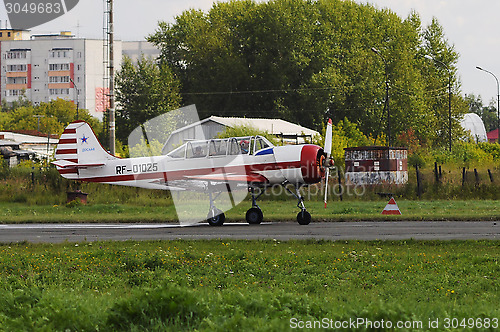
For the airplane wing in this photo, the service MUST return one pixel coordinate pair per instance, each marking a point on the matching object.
(228, 177)
(69, 164)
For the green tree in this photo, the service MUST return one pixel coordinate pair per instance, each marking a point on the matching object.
(304, 61)
(439, 75)
(144, 91)
(51, 117)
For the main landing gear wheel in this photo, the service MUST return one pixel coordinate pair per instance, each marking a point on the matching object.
(254, 216)
(304, 217)
(216, 217)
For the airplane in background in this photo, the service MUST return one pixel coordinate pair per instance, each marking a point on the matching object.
(210, 166)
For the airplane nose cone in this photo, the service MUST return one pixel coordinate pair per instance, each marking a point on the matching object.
(311, 159)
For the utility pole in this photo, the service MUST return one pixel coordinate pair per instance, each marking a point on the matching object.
(112, 134)
(498, 100)
(77, 97)
(386, 104)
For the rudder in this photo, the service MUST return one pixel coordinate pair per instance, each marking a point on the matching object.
(78, 144)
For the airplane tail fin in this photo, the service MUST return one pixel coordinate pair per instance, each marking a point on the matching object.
(78, 147)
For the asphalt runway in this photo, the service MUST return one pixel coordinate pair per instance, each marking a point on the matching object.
(364, 230)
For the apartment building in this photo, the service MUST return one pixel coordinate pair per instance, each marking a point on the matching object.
(47, 67)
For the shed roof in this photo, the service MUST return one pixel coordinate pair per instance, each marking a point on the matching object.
(27, 139)
(6, 142)
(272, 126)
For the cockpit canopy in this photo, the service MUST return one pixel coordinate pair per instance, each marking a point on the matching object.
(221, 147)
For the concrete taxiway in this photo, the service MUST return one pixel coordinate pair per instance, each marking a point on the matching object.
(363, 230)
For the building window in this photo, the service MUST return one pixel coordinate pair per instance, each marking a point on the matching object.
(16, 68)
(54, 92)
(16, 55)
(17, 80)
(58, 66)
(59, 79)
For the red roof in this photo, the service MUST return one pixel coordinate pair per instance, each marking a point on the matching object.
(493, 135)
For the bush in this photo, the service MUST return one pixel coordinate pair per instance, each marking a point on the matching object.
(470, 153)
(491, 149)
(416, 159)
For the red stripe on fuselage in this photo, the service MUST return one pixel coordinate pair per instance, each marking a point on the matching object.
(182, 174)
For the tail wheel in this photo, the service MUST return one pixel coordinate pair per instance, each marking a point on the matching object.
(254, 216)
(304, 217)
(216, 217)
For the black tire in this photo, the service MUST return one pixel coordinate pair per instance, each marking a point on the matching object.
(254, 216)
(304, 217)
(216, 217)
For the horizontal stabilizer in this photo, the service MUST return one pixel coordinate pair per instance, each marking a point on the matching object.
(69, 164)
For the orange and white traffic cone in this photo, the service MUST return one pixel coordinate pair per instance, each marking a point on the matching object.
(391, 207)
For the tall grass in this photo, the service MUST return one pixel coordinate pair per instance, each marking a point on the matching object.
(36, 184)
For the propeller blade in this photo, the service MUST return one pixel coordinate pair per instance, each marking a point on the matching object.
(326, 185)
(328, 139)
(328, 150)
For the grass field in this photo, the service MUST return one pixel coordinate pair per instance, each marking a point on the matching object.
(273, 211)
(245, 285)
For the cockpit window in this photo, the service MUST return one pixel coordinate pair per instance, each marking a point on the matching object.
(217, 147)
(239, 145)
(234, 147)
(221, 147)
(180, 152)
(261, 143)
(244, 144)
(196, 149)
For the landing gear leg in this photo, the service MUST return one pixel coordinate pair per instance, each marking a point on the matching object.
(254, 215)
(215, 216)
(303, 217)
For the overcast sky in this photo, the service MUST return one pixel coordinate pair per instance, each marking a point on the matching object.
(472, 26)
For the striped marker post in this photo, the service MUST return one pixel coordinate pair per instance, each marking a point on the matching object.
(391, 208)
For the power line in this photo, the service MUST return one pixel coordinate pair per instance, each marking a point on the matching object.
(255, 91)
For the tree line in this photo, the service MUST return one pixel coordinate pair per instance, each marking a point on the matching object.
(300, 60)
(303, 61)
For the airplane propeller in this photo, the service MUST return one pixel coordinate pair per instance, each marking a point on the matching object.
(328, 150)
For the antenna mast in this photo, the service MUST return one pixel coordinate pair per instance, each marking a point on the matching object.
(109, 71)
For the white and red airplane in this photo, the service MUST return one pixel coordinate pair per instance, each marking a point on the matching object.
(210, 166)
